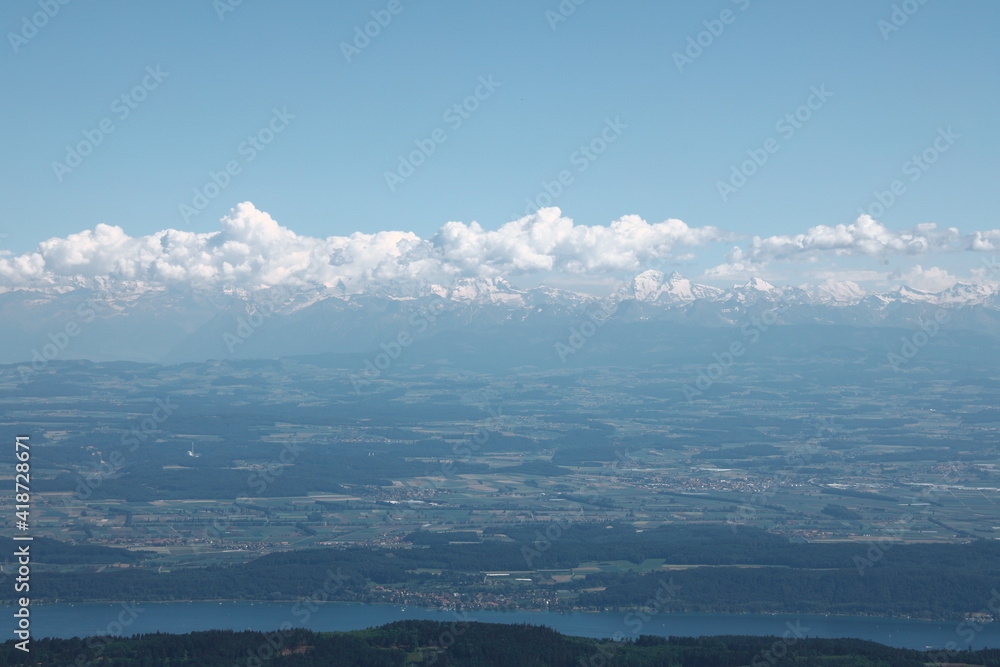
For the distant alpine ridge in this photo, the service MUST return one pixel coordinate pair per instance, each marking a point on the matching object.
(106, 321)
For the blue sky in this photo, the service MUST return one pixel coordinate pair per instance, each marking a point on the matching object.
(556, 85)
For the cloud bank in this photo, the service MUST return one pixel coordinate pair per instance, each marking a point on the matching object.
(863, 237)
(252, 250)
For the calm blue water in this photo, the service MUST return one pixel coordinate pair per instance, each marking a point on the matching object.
(178, 617)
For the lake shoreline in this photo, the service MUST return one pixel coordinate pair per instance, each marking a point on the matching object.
(64, 620)
(538, 610)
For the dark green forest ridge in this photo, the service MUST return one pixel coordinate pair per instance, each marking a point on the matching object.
(741, 570)
(471, 644)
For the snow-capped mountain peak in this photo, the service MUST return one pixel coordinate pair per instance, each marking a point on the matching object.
(759, 284)
(962, 293)
(139, 321)
(481, 290)
(647, 285)
(674, 289)
(839, 291)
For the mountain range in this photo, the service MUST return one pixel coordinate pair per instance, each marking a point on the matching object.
(108, 321)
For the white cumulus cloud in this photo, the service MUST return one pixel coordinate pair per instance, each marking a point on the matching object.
(252, 249)
(931, 279)
(863, 237)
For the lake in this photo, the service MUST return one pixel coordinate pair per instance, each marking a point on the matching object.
(65, 620)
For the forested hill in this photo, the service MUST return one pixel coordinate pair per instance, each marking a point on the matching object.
(937, 581)
(461, 643)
